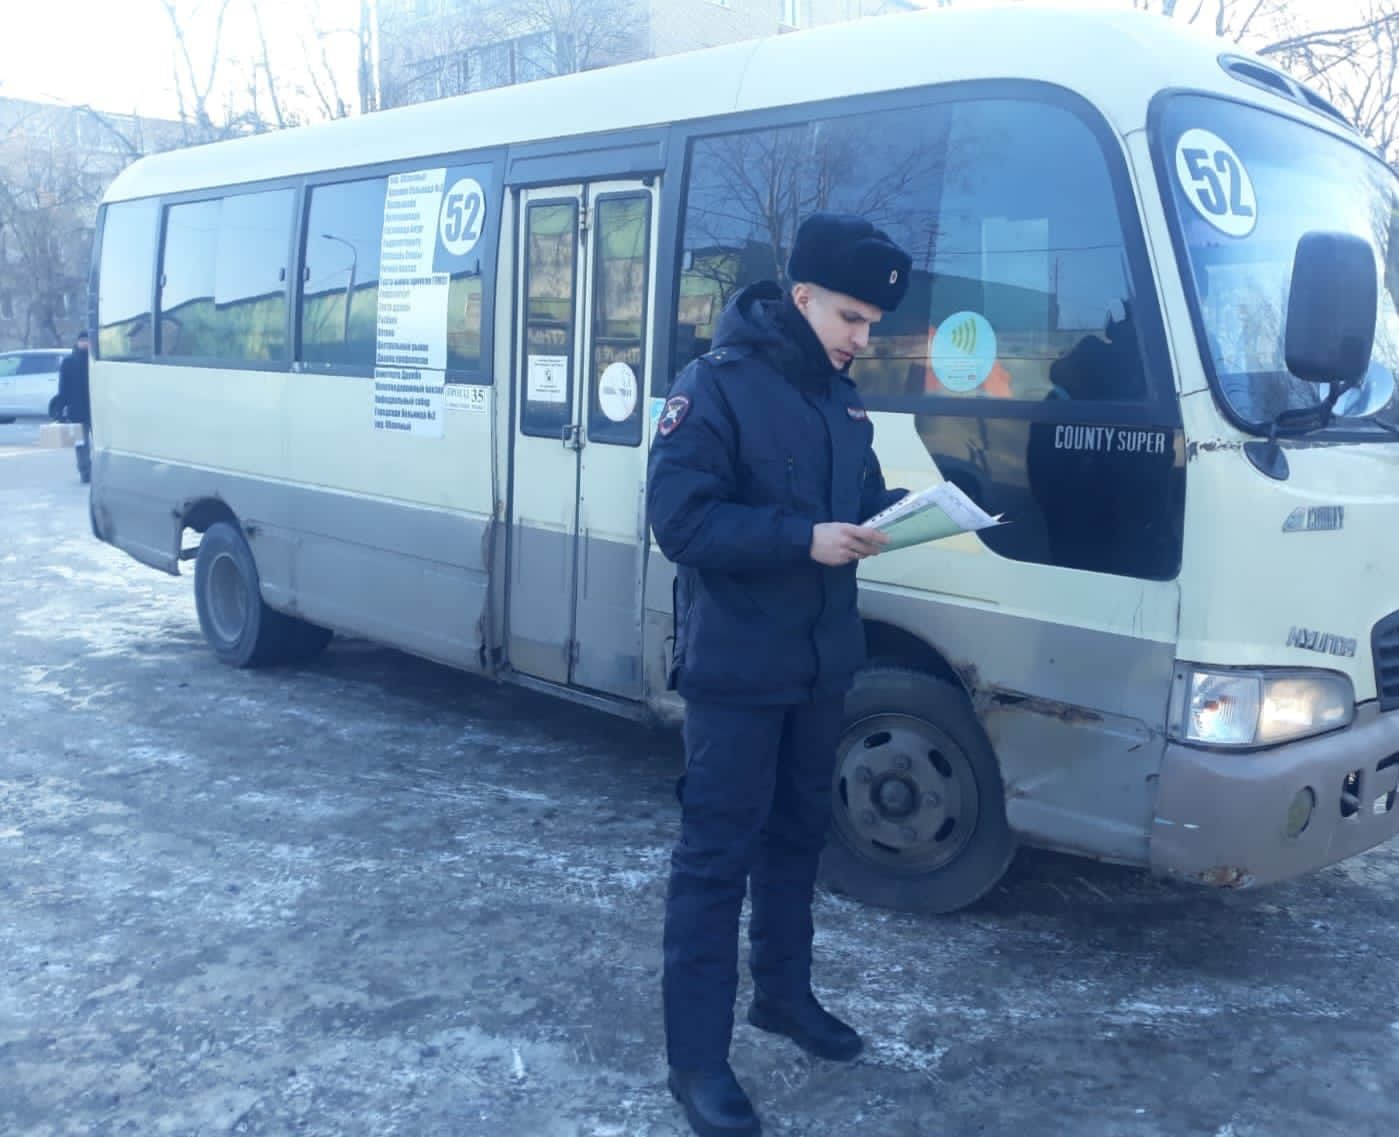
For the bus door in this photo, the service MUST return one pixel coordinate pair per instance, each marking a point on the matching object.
(586, 268)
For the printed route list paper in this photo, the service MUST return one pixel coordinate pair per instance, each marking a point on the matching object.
(410, 358)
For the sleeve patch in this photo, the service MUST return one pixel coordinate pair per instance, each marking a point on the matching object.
(676, 408)
(857, 413)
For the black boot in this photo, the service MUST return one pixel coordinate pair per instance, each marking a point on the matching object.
(715, 1104)
(808, 1024)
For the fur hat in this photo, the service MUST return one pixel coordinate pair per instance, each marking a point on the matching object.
(847, 254)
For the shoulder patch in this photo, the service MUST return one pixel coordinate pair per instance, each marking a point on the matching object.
(859, 414)
(676, 408)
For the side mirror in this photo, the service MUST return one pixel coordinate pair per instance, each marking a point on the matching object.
(1332, 309)
(1371, 397)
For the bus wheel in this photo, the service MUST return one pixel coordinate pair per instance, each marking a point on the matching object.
(239, 627)
(918, 820)
(303, 641)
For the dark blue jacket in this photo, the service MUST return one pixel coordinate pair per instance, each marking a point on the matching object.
(73, 387)
(759, 440)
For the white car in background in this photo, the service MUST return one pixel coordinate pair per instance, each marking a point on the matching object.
(28, 380)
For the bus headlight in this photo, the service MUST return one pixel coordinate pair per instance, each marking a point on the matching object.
(1257, 708)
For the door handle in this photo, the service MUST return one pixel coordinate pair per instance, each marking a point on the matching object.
(572, 436)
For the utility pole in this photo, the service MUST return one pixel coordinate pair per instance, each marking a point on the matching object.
(369, 93)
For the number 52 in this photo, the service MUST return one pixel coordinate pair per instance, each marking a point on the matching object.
(1210, 192)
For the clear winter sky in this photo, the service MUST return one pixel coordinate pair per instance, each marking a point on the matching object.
(116, 54)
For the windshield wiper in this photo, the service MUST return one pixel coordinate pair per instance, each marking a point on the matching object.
(1296, 422)
(1379, 422)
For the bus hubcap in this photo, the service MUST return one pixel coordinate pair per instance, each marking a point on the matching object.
(906, 797)
(228, 599)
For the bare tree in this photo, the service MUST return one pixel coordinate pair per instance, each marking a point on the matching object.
(430, 58)
(48, 199)
(309, 80)
(1351, 62)
(491, 43)
(1234, 20)
(285, 80)
(194, 81)
(579, 35)
(263, 71)
(1355, 66)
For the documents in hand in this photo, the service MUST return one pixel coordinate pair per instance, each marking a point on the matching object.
(930, 514)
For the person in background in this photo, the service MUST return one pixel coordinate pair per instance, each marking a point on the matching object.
(74, 404)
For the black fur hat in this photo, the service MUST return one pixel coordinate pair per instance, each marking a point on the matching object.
(847, 254)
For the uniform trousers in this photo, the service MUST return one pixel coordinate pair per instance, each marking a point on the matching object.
(755, 807)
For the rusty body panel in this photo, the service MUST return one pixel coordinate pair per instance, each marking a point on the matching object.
(1079, 757)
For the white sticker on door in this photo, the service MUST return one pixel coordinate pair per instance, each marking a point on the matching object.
(546, 381)
(1216, 182)
(616, 392)
(468, 397)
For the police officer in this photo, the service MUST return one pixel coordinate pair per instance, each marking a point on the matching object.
(760, 473)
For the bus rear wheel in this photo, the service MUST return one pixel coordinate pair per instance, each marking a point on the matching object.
(918, 819)
(241, 630)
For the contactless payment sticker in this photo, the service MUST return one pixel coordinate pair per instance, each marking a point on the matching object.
(963, 351)
(1216, 182)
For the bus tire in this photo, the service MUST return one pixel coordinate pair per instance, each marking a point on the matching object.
(303, 640)
(241, 629)
(918, 817)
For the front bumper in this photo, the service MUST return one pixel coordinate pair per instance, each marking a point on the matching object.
(1222, 818)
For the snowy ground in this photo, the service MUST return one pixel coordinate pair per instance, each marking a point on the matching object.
(376, 897)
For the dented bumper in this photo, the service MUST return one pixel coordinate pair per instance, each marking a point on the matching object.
(1231, 819)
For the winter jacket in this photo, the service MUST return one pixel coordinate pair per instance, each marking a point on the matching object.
(73, 387)
(760, 440)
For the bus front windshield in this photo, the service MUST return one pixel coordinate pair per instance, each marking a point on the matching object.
(1245, 186)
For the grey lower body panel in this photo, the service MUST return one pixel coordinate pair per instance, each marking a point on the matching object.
(575, 611)
(1222, 818)
(408, 576)
(540, 603)
(608, 623)
(129, 511)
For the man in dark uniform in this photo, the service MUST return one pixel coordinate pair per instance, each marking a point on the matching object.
(760, 473)
(74, 404)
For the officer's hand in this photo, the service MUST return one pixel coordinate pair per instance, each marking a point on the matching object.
(838, 543)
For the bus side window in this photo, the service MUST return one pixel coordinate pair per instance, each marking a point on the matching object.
(439, 222)
(125, 280)
(1007, 208)
(224, 272)
(1029, 295)
(340, 292)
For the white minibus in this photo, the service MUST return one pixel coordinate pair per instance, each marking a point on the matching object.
(396, 377)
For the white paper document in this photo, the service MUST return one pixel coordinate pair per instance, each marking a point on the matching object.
(930, 514)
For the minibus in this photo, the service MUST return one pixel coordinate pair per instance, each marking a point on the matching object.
(396, 377)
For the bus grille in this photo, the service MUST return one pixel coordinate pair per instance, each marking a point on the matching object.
(1384, 645)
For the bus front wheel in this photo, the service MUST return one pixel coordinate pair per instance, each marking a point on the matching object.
(918, 820)
(241, 629)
